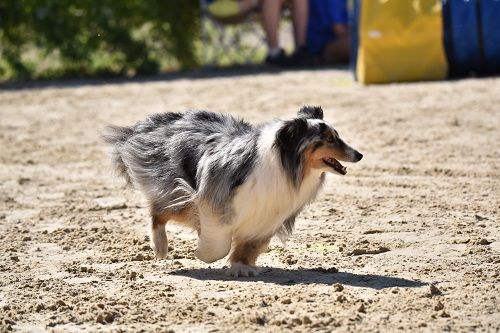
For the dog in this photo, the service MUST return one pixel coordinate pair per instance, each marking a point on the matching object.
(236, 184)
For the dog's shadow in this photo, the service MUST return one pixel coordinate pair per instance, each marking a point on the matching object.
(285, 277)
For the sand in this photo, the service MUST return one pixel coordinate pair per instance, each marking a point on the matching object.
(408, 240)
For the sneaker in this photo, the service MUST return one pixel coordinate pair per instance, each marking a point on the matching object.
(301, 58)
(279, 60)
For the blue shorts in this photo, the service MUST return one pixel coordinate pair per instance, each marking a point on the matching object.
(323, 14)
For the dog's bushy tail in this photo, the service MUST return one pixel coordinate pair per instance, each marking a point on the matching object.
(185, 195)
(116, 136)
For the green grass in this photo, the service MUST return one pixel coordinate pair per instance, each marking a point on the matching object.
(40, 64)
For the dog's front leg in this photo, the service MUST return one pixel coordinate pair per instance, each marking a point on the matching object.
(245, 255)
(214, 240)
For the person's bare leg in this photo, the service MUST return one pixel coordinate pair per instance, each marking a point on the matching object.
(271, 14)
(247, 6)
(300, 16)
(337, 51)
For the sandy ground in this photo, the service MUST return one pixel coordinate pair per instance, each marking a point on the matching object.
(76, 257)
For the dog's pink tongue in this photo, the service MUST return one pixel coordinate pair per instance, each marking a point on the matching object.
(343, 169)
(337, 166)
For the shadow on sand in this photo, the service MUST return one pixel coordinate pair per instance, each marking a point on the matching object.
(196, 74)
(286, 277)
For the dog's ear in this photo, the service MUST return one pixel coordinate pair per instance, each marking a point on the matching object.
(290, 134)
(288, 142)
(311, 112)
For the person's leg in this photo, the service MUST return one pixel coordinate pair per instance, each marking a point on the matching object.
(338, 50)
(300, 14)
(247, 6)
(271, 15)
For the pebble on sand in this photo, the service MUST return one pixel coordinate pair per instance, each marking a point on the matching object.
(482, 241)
(434, 290)
(110, 203)
(338, 287)
(439, 306)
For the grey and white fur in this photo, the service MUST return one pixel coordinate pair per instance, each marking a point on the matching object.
(236, 184)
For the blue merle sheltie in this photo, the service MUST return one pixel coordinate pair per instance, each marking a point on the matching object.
(236, 184)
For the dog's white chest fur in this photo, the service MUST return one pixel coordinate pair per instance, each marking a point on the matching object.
(267, 197)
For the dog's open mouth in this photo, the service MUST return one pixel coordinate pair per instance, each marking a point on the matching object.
(335, 165)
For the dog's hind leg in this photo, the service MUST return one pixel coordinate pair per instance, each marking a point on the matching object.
(214, 240)
(245, 255)
(159, 241)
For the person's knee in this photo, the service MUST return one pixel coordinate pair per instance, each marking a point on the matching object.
(224, 8)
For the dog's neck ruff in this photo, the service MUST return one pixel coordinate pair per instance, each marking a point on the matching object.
(268, 197)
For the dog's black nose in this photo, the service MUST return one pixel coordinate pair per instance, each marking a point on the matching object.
(359, 156)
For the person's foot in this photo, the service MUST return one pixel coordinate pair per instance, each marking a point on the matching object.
(300, 58)
(280, 59)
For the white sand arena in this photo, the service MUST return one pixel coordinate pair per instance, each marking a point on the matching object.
(421, 208)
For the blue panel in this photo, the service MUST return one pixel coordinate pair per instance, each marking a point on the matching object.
(490, 25)
(354, 23)
(463, 46)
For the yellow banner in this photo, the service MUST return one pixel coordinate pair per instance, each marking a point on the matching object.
(400, 40)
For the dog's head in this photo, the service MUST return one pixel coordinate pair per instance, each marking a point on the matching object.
(308, 143)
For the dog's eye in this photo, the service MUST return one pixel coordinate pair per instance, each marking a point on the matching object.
(331, 139)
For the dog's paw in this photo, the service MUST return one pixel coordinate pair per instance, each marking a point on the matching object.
(238, 269)
(159, 243)
(160, 247)
(161, 252)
